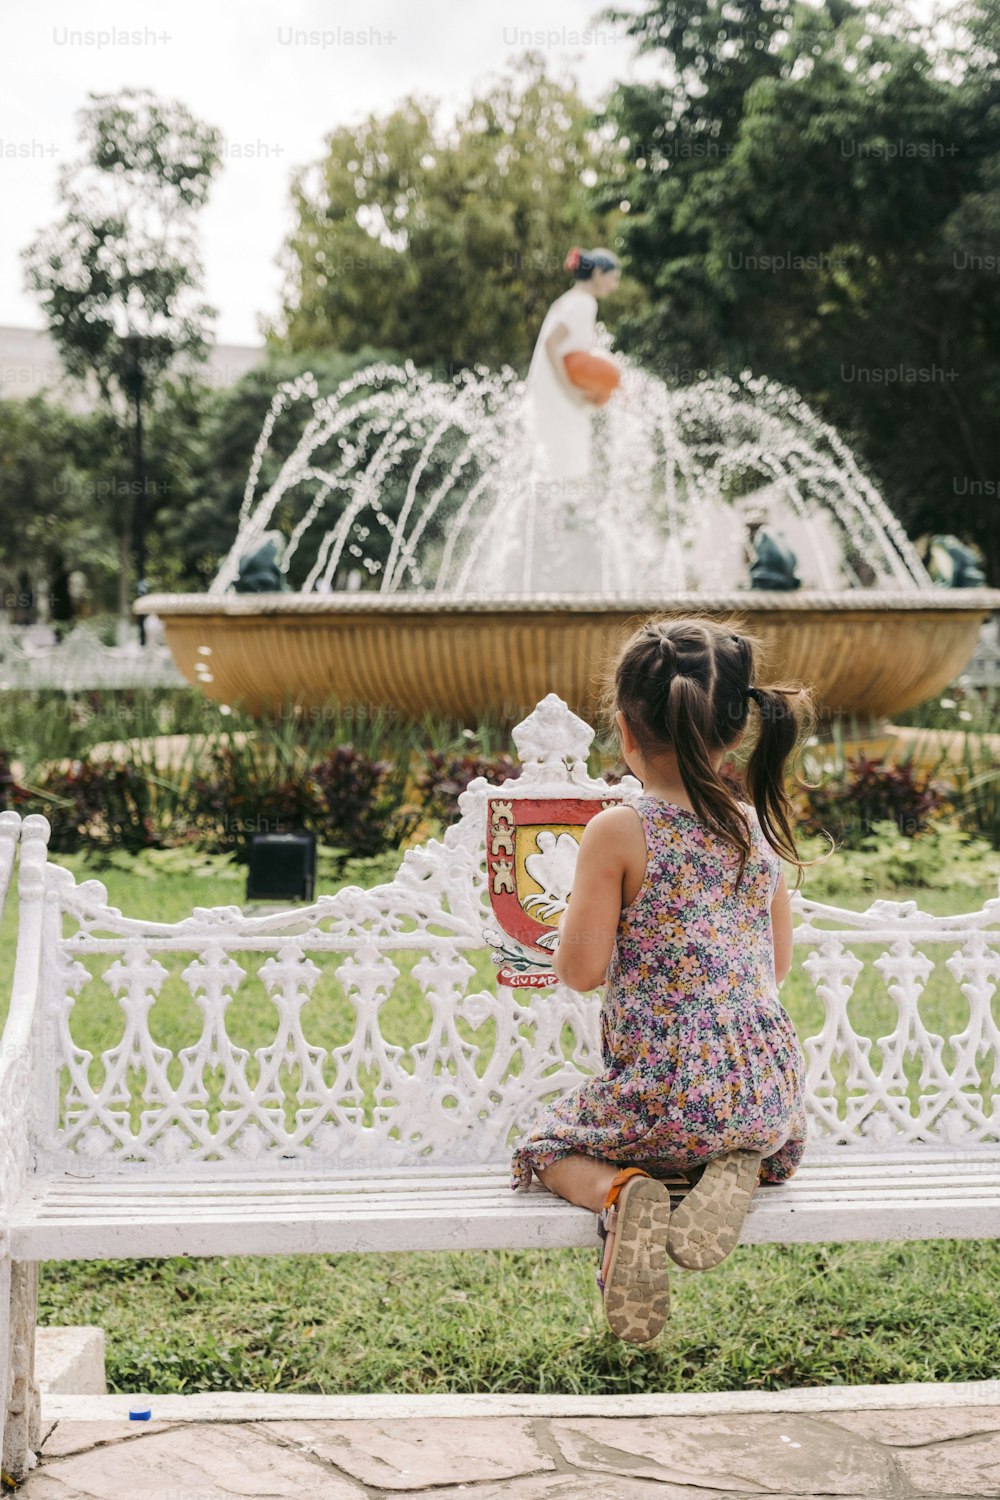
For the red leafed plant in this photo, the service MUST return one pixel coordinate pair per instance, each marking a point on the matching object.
(871, 791)
(445, 777)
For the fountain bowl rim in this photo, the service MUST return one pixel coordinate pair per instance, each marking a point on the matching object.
(750, 601)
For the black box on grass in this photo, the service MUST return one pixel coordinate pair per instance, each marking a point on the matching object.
(282, 867)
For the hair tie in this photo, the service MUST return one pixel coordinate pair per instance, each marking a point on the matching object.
(754, 693)
(573, 259)
(668, 652)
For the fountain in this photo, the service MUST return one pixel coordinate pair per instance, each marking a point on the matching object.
(418, 560)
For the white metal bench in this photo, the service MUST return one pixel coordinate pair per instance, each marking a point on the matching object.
(343, 1133)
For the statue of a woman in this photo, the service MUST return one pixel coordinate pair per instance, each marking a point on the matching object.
(560, 411)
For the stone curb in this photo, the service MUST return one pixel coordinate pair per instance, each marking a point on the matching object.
(70, 1360)
(234, 1406)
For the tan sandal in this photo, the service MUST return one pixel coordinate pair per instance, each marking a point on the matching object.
(706, 1226)
(636, 1283)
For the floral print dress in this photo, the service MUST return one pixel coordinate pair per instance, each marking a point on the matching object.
(700, 1056)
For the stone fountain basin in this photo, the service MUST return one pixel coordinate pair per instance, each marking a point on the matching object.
(863, 652)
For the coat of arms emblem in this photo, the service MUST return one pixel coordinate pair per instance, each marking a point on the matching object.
(531, 849)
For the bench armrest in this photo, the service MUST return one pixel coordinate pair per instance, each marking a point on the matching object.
(17, 1046)
(10, 832)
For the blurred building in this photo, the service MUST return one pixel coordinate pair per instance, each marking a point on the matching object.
(29, 363)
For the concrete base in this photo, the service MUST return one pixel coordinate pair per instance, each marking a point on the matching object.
(70, 1361)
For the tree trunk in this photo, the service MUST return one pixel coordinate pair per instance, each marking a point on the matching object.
(140, 500)
(125, 572)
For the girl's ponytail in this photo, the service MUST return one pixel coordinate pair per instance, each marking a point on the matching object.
(691, 717)
(786, 717)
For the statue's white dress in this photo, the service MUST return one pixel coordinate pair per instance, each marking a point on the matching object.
(561, 427)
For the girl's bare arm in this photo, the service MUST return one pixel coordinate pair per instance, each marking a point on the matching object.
(590, 922)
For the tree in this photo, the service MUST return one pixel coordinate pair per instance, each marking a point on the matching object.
(58, 510)
(447, 245)
(118, 274)
(836, 237)
(204, 440)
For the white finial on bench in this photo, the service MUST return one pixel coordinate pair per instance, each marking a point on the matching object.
(34, 842)
(35, 828)
(10, 825)
(553, 742)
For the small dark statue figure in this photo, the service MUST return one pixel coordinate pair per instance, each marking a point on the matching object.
(259, 571)
(773, 565)
(953, 565)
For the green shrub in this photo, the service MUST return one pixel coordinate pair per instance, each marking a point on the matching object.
(941, 858)
(46, 724)
(218, 796)
(979, 804)
(348, 799)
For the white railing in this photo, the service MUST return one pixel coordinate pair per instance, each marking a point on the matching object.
(81, 661)
(983, 668)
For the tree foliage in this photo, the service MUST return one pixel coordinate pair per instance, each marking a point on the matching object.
(446, 243)
(118, 273)
(60, 500)
(814, 194)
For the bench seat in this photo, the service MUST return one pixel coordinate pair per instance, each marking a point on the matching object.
(833, 1197)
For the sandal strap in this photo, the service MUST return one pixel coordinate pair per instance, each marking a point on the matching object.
(618, 1182)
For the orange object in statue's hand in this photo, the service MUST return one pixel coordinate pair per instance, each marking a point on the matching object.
(594, 374)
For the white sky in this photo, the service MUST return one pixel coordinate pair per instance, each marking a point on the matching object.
(237, 68)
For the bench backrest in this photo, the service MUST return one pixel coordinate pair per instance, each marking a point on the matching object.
(391, 1044)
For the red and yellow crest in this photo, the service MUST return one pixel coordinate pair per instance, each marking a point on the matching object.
(531, 849)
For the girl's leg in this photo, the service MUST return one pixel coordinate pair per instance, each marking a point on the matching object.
(584, 1180)
(634, 1284)
(579, 1179)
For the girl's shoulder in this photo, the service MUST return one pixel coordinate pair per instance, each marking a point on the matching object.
(772, 859)
(754, 822)
(751, 812)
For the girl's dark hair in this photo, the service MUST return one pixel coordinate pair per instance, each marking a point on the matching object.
(583, 263)
(688, 684)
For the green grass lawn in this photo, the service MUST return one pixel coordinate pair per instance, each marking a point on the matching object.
(768, 1318)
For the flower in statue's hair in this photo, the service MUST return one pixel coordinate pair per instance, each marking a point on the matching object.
(573, 259)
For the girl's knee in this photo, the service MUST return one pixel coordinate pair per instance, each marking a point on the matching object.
(784, 1163)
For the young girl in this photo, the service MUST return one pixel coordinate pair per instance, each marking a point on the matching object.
(560, 412)
(680, 903)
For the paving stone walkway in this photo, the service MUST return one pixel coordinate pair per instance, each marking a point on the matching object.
(950, 1454)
